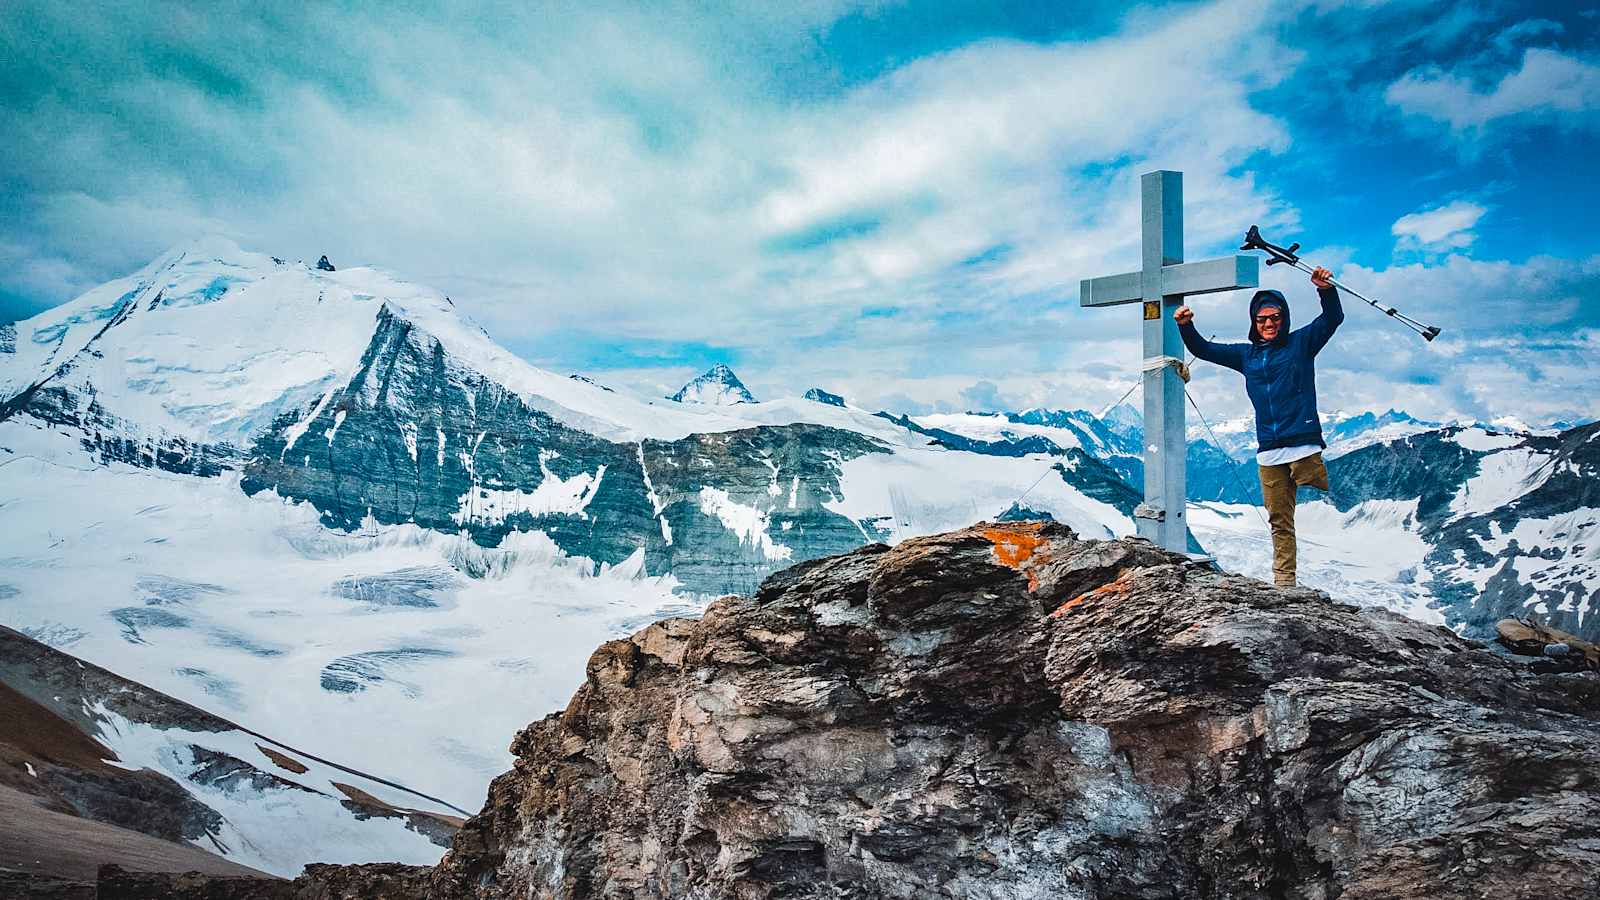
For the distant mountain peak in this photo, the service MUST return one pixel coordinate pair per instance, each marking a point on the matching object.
(1124, 414)
(207, 247)
(719, 386)
(818, 395)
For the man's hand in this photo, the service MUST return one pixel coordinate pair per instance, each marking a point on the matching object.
(1183, 315)
(1322, 278)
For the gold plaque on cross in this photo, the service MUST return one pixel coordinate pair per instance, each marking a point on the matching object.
(1152, 309)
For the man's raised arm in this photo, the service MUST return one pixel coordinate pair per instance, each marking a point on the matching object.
(1324, 325)
(1229, 355)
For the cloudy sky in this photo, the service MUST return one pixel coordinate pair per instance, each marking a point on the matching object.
(894, 201)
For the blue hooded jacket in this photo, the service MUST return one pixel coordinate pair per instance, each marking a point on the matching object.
(1279, 375)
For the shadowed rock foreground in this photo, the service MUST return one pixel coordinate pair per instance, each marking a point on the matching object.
(1009, 712)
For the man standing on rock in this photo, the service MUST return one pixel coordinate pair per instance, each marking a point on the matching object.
(1281, 379)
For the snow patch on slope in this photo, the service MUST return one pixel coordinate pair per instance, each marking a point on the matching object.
(1557, 556)
(553, 496)
(748, 522)
(1502, 477)
(1482, 440)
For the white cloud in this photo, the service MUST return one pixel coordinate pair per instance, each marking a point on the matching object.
(1527, 300)
(1526, 30)
(984, 396)
(655, 177)
(35, 270)
(1447, 226)
(1548, 82)
(1518, 337)
(633, 165)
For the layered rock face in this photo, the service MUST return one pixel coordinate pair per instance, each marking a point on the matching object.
(1009, 712)
(416, 437)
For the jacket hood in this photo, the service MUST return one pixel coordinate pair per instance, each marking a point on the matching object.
(1273, 298)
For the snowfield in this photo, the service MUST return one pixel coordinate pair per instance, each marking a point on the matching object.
(1369, 555)
(410, 654)
(1502, 477)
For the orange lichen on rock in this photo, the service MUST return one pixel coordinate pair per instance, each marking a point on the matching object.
(1114, 589)
(1014, 544)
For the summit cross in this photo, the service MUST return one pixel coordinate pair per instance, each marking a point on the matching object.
(1160, 286)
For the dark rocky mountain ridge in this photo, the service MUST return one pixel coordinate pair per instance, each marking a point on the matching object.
(821, 396)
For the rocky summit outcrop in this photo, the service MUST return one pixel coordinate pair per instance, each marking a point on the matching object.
(818, 395)
(1010, 712)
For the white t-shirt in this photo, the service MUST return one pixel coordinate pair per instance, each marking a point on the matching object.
(1281, 455)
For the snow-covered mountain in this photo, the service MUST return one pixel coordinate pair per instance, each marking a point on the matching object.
(1460, 524)
(1221, 460)
(327, 506)
(1511, 519)
(718, 386)
(1346, 432)
(1114, 441)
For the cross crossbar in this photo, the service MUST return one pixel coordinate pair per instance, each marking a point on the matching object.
(1228, 273)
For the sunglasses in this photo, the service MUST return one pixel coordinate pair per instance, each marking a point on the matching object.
(1272, 318)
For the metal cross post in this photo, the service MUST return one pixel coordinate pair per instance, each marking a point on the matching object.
(1160, 287)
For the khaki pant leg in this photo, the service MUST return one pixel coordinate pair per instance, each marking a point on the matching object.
(1310, 471)
(1277, 490)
